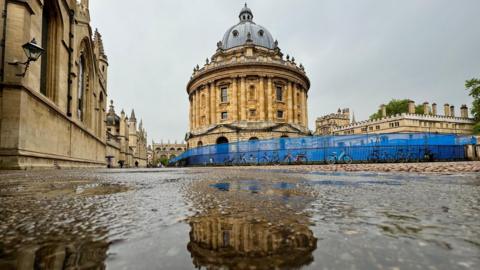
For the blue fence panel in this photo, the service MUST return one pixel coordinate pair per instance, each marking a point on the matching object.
(394, 147)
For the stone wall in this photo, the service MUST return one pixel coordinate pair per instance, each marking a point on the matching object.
(39, 121)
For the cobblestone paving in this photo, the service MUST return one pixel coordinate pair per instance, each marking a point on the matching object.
(279, 217)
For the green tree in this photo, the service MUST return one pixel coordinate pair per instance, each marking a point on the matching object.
(396, 106)
(473, 86)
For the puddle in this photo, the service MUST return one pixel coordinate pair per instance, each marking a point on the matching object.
(238, 219)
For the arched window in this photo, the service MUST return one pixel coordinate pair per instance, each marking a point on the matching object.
(51, 42)
(222, 140)
(200, 144)
(81, 89)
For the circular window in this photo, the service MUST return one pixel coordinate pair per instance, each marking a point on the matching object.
(235, 33)
(260, 33)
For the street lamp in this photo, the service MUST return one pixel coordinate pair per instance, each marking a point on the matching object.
(33, 52)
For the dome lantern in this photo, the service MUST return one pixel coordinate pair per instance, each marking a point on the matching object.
(246, 14)
(246, 32)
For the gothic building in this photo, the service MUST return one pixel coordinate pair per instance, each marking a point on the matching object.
(52, 110)
(126, 145)
(248, 90)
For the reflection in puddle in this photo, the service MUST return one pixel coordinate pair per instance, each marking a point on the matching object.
(252, 226)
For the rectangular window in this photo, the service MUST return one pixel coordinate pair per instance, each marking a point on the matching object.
(280, 114)
(377, 127)
(224, 94)
(279, 93)
(224, 115)
(253, 113)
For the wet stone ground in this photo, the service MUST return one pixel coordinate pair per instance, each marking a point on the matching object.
(249, 218)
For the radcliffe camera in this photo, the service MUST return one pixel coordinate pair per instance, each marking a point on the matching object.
(272, 134)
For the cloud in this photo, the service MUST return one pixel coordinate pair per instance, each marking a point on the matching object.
(358, 54)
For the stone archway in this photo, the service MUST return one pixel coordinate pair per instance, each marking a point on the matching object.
(253, 139)
(222, 140)
(200, 144)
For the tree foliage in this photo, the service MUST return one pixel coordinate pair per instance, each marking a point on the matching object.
(396, 106)
(473, 87)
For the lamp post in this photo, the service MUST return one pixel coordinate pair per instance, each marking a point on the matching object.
(33, 52)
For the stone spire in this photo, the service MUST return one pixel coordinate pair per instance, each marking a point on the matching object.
(97, 39)
(132, 116)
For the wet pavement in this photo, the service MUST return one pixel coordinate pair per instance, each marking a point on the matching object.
(249, 218)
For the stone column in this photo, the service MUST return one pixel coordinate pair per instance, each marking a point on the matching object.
(234, 100)
(305, 108)
(207, 104)
(218, 100)
(190, 113)
(243, 104)
(213, 103)
(270, 99)
(289, 102)
(194, 111)
(261, 99)
(295, 104)
(302, 106)
(198, 102)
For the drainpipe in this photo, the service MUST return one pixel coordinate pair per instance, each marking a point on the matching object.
(70, 62)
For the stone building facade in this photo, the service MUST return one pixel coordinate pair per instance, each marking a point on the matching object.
(326, 124)
(430, 122)
(247, 90)
(54, 115)
(126, 145)
(161, 151)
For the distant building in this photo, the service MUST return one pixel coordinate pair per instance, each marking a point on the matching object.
(326, 124)
(126, 146)
(430, 121)
(162, 151)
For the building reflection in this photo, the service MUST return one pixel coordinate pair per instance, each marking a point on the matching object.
(249, 238)
(53, 256)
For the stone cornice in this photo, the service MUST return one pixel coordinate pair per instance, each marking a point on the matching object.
(245, 64)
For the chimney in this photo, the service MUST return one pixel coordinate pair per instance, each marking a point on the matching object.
(446, 109)
(452, 111)
(434, 108)
(383, 110)
(426, 108)
(464, 111)
(411, 107)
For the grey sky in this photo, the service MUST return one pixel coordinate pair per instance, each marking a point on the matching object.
(358, 54)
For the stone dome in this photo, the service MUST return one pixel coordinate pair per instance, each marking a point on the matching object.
(247, 30)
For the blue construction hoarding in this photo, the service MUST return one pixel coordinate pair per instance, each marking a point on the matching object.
(392, 147)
